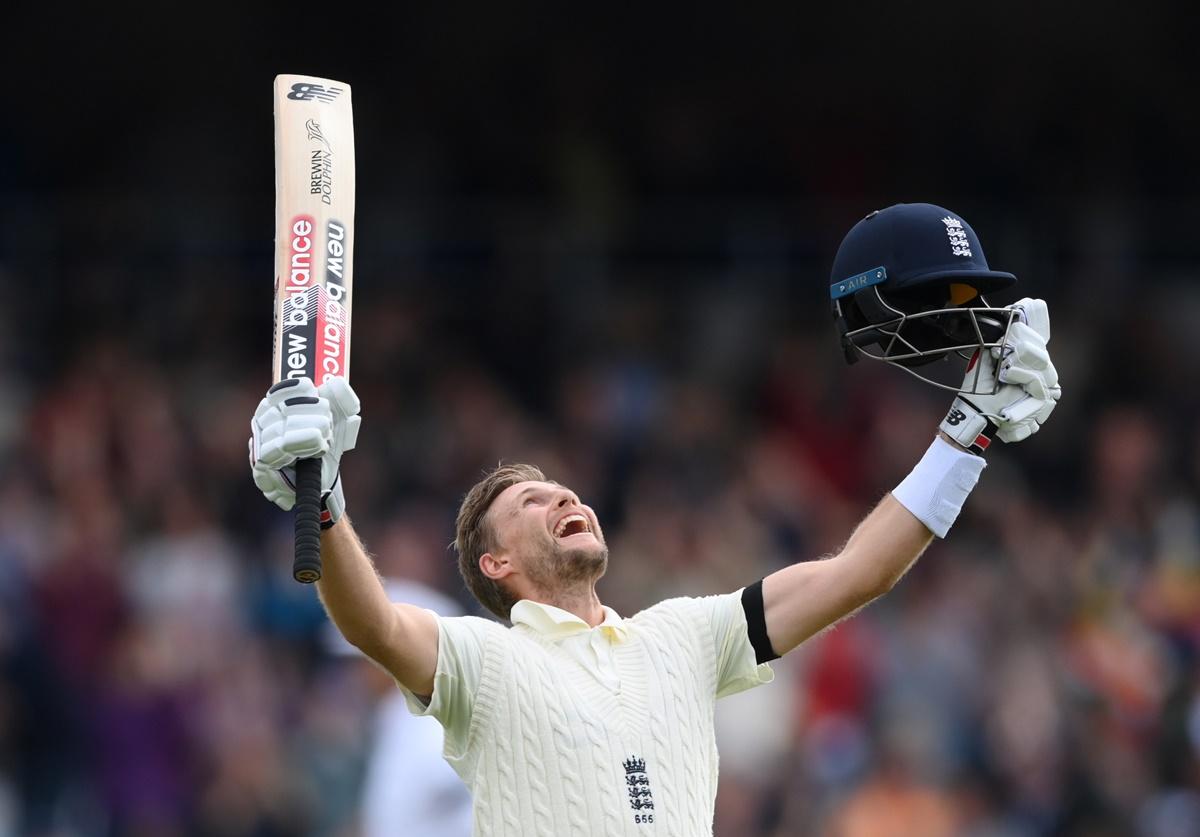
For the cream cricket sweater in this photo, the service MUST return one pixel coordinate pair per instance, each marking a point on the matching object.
(560, 729)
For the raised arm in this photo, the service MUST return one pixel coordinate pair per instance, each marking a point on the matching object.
(400, 637)
(805, 598)
(297, 421)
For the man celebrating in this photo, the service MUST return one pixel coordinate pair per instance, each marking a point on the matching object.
(576, 721)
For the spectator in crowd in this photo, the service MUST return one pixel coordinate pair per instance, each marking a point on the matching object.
(408, 787)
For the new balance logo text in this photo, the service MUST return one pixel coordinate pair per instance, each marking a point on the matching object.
(955, 417)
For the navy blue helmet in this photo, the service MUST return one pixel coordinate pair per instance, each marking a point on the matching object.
(907, 287)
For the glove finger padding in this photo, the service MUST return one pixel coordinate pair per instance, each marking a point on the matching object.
(1035, 314)
(298, 428)
(1055, 394)
(1026, 347)
(309, 427)
(290, 388)
(299, 421)
(341, 397)
(1026, 362)
(1009, 433)
(1025, 406)
(1025, 417)
(274, 486)
(283, 422)
(1037, 381)
(345, 405)
(1028, 379)
(263, 410)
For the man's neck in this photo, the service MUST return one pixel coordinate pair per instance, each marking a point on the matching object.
(584, 603)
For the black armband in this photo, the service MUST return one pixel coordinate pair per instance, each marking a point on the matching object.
(756, 623)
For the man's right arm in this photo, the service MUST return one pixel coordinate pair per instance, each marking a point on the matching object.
(400, 637)
(296, 420)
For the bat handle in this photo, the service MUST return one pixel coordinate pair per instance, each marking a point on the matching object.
(307, 566)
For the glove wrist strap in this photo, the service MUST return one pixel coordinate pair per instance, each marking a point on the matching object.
(968, 426)
(333, 504)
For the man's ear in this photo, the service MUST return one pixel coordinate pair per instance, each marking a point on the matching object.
(495, 567)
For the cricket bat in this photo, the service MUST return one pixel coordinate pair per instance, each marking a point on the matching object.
(314, 240)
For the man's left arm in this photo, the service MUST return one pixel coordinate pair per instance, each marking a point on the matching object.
(803, 599)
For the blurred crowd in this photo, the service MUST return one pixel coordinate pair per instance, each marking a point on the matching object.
(1036, 674)
(600, 246)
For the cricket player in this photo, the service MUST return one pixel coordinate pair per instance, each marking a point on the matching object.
(579, 721)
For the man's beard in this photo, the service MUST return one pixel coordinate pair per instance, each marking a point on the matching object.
(554, 568)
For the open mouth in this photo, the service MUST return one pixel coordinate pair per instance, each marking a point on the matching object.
(572, 524)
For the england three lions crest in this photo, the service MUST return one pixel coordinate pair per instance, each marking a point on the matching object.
(959, 245)
(641, 799)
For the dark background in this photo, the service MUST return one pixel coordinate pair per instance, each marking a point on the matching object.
(600, 240)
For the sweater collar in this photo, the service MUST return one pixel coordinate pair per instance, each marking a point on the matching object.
(555, 623)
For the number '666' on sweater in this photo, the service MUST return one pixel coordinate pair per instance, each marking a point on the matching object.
(560, 729)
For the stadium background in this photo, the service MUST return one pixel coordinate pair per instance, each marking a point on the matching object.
(602, 245)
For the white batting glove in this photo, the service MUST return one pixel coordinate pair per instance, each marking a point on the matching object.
(298, 421)
(1028, 387)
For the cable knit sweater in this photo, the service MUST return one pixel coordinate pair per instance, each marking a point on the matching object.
(560, 729)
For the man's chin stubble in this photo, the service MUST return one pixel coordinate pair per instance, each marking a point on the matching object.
(578, 565)
(567, 568)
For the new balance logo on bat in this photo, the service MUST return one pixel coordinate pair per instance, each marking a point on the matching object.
(302, 91)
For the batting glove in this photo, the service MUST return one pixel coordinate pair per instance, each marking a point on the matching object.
(1025, 382)
(299, 421)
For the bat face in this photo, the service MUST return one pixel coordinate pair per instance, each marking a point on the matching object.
(314, 219)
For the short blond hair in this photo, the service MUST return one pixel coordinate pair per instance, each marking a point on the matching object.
(474, 536)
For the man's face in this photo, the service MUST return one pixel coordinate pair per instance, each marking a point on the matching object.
(548, 535)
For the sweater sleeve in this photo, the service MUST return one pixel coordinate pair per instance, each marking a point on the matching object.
(736, 664)
(462, 644)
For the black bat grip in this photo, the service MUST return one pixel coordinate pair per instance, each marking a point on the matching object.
(307, 566)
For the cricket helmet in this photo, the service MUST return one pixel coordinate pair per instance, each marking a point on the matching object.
(907, 288)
